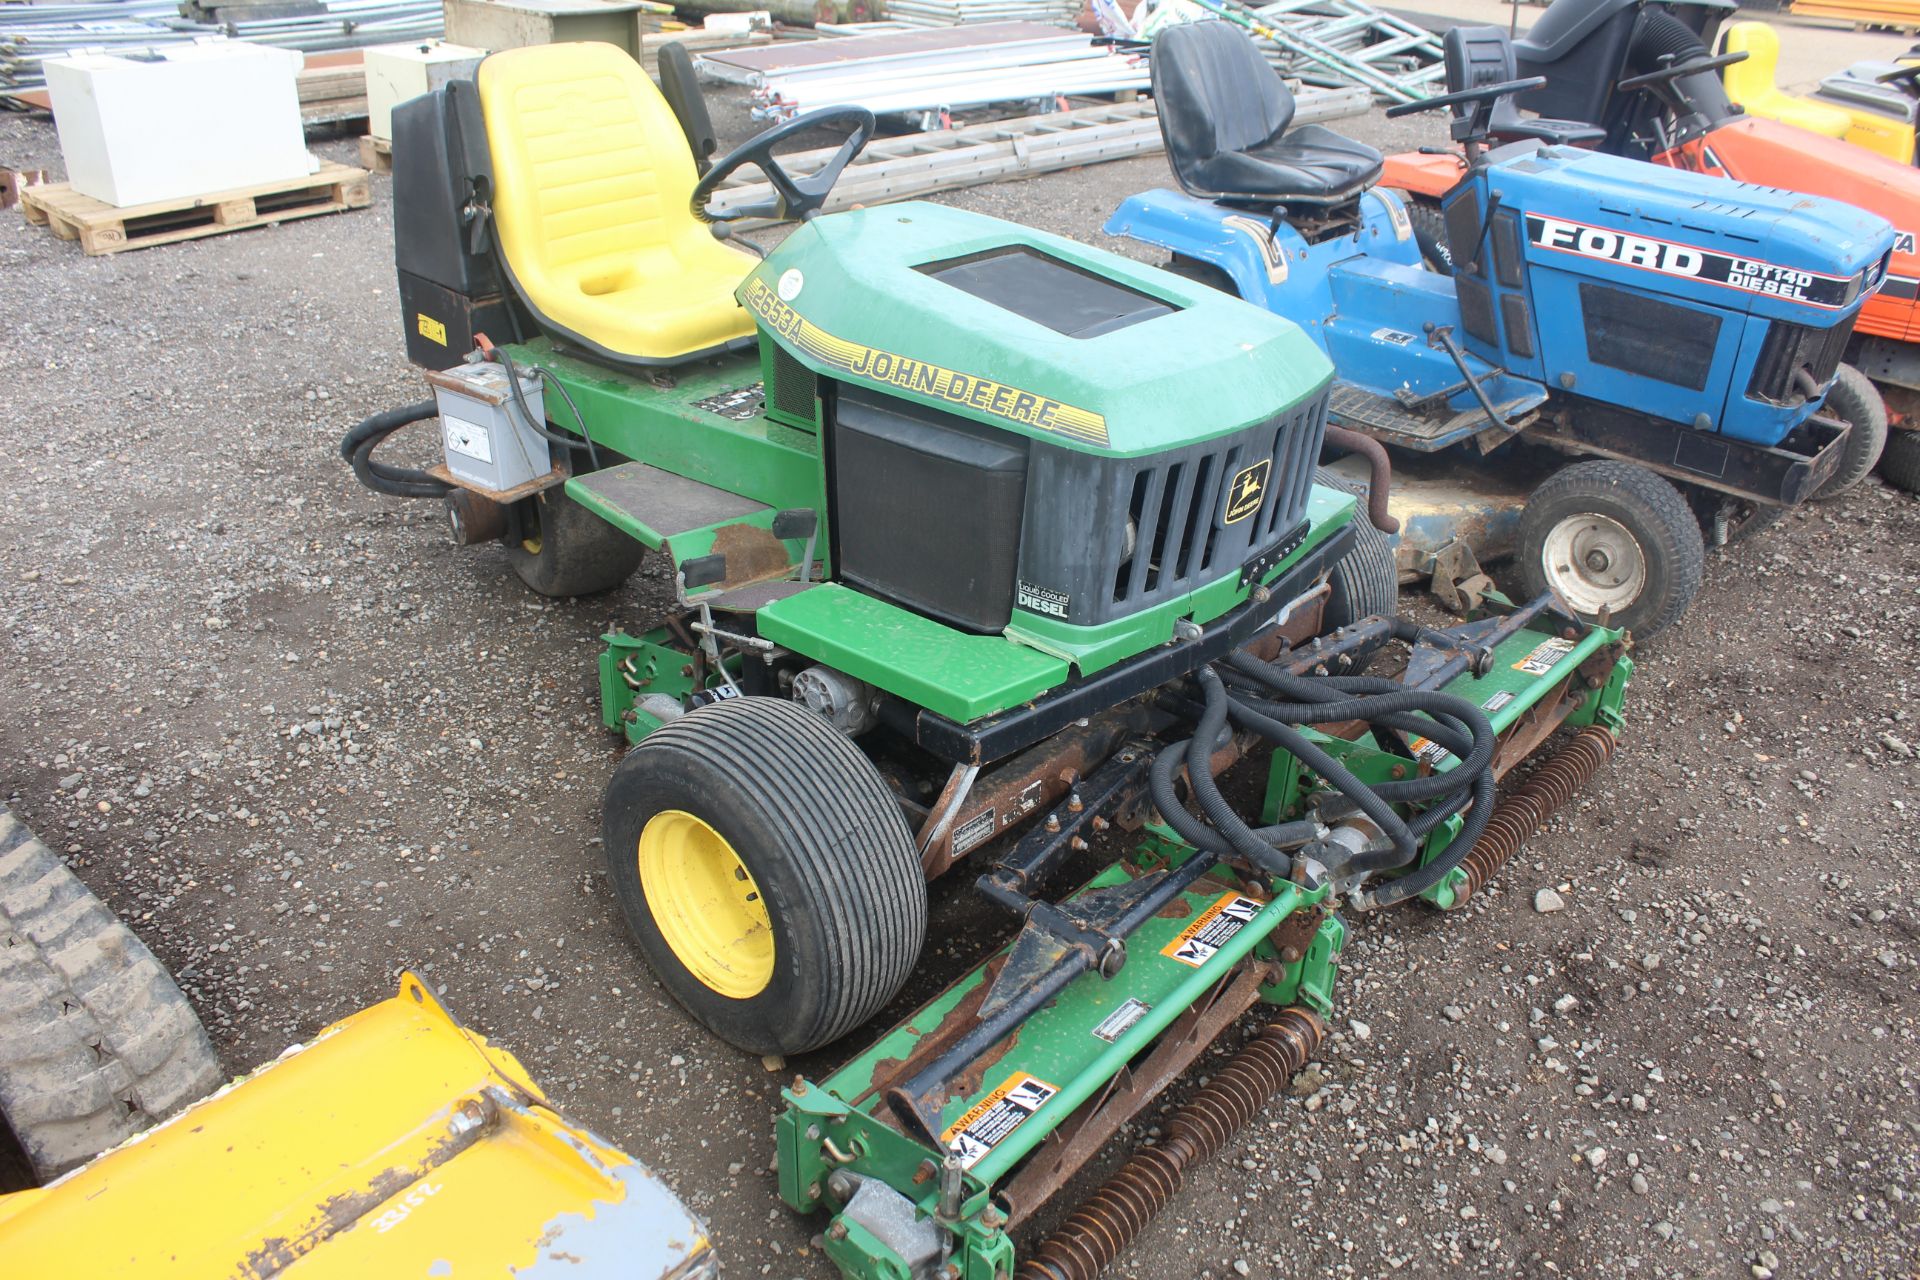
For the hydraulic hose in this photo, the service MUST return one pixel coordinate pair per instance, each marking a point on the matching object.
(1231, 697)
(400, 482)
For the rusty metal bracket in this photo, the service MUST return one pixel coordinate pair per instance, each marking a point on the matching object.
(1458, 580)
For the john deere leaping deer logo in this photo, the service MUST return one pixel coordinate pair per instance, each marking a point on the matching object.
(1244, 494)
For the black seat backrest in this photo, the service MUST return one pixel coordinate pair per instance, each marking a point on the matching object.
(1477, 56)
(1580, 46)
(1215, 94)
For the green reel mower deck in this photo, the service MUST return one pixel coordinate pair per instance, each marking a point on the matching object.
(932, 1181)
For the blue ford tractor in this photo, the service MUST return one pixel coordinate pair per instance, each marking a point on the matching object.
(1663, 348)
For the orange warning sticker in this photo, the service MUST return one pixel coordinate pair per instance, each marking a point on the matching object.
(1209, 931)
(986, 1123)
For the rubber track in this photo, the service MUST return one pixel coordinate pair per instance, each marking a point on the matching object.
(849, 838)
(96, 1041)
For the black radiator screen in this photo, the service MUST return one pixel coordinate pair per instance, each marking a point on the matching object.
(927, 508)
(1642, 335)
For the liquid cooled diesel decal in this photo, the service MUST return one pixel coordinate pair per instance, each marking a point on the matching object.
(1669, 257)
(1043, 600)
(986, 1124)
(1027, 408)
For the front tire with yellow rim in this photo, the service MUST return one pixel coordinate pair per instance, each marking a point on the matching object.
(766, 872)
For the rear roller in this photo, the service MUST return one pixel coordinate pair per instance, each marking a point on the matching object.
(1612, 536)
(766, 872)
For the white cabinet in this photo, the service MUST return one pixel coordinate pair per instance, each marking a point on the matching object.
(184, 121)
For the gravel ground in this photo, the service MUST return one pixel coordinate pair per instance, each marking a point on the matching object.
(302, 742)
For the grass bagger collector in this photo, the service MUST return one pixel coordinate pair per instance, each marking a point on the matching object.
(984, 544)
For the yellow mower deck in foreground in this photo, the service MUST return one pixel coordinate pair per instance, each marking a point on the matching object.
(396, 1143)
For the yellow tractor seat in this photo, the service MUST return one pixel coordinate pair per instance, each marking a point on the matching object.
(591, 182)
(1751, 84)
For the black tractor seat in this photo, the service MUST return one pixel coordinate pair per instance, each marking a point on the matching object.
(1224, 115)
(1479, 56)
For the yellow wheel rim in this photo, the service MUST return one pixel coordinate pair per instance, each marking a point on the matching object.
(706, 905)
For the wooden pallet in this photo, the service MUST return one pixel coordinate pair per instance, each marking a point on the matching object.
(376, 154)
(104, 228)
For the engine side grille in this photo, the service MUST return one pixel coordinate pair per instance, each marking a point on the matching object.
(1181, 506)
(791, 387)
(1796, 346)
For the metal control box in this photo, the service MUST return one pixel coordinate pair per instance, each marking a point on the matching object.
(490, 443)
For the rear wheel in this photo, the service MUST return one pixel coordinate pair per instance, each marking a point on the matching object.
(766, 872)
(96, 1041)
(1856, 401)
(1430, 233)
(1616, 537)
(563, 549)
(1900, 462)
(1365, 581)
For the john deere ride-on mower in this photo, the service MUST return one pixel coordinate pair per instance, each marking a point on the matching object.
(1677, 338)
(984, 544)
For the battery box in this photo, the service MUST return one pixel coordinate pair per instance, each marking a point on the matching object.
(489, 441)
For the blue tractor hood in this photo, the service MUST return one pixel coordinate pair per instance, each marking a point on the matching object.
(1725, 244)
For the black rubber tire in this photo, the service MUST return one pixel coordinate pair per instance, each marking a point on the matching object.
(1365, 581)
(573, 552)
(1430, 233)
(1854, 399)
(1654, 515)
(1202, 273)
(1900, 462)
(825, 843)
(96, 1041)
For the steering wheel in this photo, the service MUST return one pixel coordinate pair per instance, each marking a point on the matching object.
(794, 198)
(1907, 78)
(1673, 71)
(1487, 93)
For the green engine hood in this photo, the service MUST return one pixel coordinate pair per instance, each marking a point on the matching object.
(845, 296)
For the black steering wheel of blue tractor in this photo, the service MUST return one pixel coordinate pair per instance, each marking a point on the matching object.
(1674, 70)
(1905, 77)
(1470, 127)
(794, 199)
(1486, 94)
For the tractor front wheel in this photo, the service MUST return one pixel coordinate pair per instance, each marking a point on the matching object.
(766, 872)
(562, 549)
(1856, 401)
(1613, 536)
